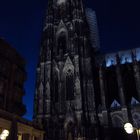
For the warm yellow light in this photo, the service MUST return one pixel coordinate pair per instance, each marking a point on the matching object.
(19, 137)
(128, 128)
(4, 134)
(2, 137)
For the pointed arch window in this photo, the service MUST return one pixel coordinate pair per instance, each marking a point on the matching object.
(69, 85)
(62, 43)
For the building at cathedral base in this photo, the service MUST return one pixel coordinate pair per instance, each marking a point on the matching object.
(12, 78)
(18, 128)
(81, 94)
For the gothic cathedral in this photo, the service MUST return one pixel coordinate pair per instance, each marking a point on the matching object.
(64, 98)
(81, 93)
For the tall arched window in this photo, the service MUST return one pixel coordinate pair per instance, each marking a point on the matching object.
(55, 87)
(69, 85)
(62, 43)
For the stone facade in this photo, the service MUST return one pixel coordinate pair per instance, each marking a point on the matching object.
(81, 94)
(64, 98)
(119, 75)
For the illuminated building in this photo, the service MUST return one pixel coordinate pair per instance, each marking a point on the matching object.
(81, 94)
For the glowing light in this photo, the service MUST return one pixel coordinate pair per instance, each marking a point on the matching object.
(4, 134)
(61, 1)
(128, 128)
(138, 54)
(110, 59)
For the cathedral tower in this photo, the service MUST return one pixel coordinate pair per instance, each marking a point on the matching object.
(64, 98)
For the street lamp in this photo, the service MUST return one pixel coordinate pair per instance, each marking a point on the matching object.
(128, 127)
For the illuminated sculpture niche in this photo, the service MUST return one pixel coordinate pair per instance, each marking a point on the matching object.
(59, 2)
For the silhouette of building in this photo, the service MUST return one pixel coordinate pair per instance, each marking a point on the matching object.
(81, 94)
(12, 77)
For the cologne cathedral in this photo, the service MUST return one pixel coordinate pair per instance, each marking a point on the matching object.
(80, 93)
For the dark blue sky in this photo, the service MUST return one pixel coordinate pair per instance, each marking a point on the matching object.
(21, 23)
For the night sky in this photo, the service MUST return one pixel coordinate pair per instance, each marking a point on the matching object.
(21, 23)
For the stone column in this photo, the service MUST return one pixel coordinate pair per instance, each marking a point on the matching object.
(137, 77)
(121, 90)
(102, 88)
(105, 114)
(120, 84)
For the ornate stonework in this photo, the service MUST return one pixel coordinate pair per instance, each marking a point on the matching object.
(81, 94)
(65, 91)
